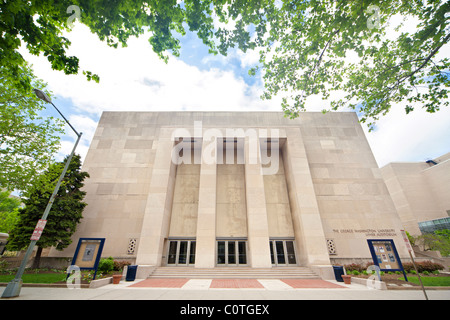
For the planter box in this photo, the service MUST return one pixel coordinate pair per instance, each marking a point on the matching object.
(100, 282)
(374, 284)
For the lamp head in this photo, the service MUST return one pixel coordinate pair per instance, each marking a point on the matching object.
(41, 95)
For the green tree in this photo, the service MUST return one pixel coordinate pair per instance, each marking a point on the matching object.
(411, 239)
(27, 140)
(9, 209)
(443, 242)
(439, 240)
(64, 215)
(40, 24)
(304, 43)
(309, 42)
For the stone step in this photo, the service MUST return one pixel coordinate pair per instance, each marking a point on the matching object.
(234, 273)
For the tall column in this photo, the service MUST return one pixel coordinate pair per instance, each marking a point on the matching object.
(206, 220)
(308, 228)
(156, 220)
(258, 228)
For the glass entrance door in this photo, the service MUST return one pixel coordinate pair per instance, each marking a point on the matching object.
(231, 252)
(282, 252)
(181, 253)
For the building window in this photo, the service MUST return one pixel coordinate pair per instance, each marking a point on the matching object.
(431, 226)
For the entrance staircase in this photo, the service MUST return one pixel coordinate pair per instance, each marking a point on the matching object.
(234, 273)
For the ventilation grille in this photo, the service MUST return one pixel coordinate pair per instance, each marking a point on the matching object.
(132, 245)
(331, 246)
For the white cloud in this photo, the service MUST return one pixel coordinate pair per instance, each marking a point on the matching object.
(135, 79)
(82, 124)
(249, 58)
(414, 137)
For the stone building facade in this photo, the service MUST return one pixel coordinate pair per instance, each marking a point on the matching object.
(250, 189)
(421, 193)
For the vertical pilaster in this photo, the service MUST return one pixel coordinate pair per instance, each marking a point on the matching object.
(308, 228)
(258, 229)
(206, 219)
(156, 219)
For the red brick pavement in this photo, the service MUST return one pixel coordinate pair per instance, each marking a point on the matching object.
(310, 283)
(236, 283)
(161, 283)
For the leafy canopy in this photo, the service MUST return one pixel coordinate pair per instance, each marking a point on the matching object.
(9, 208)
(307, 47)
(27, 140)
(65, 213)
(348, 47)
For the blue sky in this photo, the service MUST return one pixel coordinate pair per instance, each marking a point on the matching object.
(135, 79)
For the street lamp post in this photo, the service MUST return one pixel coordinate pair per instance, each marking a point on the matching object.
(14, 286)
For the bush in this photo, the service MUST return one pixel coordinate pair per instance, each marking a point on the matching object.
(354, 267)
(119, 265)
(3, 266)
(109, 264)
(422, 266)
(106, 265)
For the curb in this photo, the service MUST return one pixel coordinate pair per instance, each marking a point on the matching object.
(92, 285)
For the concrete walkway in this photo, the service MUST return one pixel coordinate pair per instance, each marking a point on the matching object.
(203, 289)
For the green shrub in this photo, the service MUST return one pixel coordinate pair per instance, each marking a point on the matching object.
(106, 265)
(3, 266)
(422, 266)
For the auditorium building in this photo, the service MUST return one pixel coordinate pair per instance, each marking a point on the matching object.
(235, 189)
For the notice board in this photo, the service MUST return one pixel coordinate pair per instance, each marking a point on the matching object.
(88, 253)
(384, 254)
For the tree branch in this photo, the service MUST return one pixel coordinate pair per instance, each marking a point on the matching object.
(432, 53)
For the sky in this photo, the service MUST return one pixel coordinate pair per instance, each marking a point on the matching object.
(135, 79)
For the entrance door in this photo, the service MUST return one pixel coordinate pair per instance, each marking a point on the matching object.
(181, 253)
(282, 252)
(231, 252)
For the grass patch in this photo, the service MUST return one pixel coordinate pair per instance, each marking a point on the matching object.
(430, 281)
(36, 278)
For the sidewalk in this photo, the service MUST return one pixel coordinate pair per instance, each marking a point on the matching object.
(229, 289)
